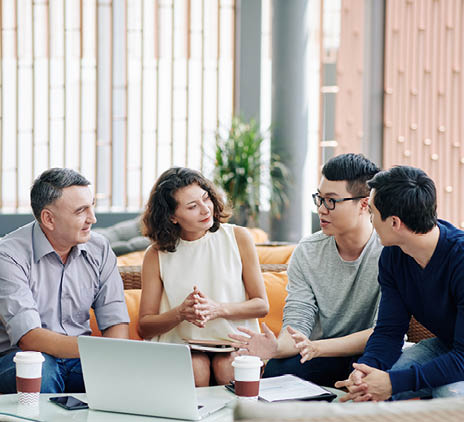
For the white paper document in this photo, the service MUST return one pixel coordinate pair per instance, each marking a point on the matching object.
(214, 349)
(288, 387)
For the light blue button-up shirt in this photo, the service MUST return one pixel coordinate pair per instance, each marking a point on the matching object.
(38, 290)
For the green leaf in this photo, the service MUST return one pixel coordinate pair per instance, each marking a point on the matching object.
(238, 167)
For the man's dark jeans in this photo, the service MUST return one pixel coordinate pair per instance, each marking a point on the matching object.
(58, 375)
(321, 371)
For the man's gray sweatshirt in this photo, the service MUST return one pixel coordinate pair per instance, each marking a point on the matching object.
(327, 296)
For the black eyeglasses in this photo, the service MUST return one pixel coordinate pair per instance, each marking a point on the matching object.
(330, 203)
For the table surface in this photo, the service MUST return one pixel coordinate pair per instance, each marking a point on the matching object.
(50, 412)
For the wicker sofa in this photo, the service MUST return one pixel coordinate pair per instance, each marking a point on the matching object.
(275, 279)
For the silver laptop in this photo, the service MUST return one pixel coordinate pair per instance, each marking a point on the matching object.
(144, 378)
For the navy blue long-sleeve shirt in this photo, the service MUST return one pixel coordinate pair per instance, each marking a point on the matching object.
(435, 296)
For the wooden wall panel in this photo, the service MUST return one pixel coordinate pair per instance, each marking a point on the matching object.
(348, 109)
(424, 95)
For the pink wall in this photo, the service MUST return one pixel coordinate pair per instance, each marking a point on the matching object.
(424, 92)
(424, 95)
(348, 109)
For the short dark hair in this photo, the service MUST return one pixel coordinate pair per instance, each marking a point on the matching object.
(161, 206)
(48, 187)
(408, 193)
(355, 169)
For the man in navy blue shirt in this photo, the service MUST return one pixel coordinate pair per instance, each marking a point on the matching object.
(421, 273)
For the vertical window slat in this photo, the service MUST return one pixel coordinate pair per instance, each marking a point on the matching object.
(116, 90)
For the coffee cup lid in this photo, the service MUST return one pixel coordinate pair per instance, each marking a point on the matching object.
(247, 361)
(28, 357)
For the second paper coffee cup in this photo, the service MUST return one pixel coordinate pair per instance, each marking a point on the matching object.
(247, 370)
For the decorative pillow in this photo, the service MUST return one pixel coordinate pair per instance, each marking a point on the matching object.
(132, 301)
(125, 236)
(258, 235)
(133, 258)
(276, 293)
(275, 254)
(266, 255)
(124, 230)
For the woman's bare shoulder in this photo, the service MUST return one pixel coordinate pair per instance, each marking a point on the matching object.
(242, 234)
(151, 254)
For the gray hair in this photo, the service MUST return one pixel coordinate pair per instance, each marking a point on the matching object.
(48, 187)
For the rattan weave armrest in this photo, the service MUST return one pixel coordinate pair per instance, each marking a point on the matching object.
(132, 279)
(417, 331)
(131, 276)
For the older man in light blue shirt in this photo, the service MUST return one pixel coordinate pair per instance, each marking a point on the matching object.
(52, 271)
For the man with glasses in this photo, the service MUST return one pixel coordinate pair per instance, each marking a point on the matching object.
(333, 292)
(421, 273)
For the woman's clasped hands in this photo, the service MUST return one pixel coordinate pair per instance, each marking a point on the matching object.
(198, 309)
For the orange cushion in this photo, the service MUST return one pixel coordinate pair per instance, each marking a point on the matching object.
(275, 254)
(258, 235)
(275, 283)
(132, 301)
(266, 255)
(133, 258)
(276, 293)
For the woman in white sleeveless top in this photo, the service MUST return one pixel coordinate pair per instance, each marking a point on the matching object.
(201, 276)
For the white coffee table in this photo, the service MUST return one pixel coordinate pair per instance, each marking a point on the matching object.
(50, 412)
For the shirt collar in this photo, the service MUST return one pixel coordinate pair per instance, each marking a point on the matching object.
(41, 245)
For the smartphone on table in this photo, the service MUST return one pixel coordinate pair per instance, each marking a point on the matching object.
(69, 402)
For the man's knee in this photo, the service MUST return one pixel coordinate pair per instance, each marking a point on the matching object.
(52, 378)
(420, 353)
(74, 379)
(7, 374)
(449, 390)
(277, 367)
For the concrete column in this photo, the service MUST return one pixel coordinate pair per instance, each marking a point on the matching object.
(290, 108)
(374, 48)
(248, 59)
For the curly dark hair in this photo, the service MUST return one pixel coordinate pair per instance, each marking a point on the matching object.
(161, 206)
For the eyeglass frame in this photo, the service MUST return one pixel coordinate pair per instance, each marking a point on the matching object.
(334, 201)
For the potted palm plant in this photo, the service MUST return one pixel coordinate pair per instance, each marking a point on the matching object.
(242, 173)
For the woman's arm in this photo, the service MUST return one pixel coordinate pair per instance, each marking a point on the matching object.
(151, 322)
(256, 305)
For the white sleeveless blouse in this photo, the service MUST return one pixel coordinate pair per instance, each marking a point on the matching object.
(213, 264)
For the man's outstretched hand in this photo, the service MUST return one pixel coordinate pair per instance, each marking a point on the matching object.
(262, 344)
(306, 347)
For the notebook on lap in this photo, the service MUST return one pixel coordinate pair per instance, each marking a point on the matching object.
(143, 378)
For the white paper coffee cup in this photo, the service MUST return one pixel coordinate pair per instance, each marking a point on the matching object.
(247, 370)
(28, 376)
